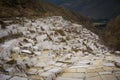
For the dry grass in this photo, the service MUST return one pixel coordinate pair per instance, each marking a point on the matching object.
(111, 34)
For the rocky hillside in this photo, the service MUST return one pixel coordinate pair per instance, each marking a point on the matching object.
(47, 47)
(112, 32)
(50, 46)
(14, 8)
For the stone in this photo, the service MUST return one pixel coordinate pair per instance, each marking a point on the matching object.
(74, 75)
(3, 33)
(73, 70)
(0, 26)
(22, 74)
(95, 78)
(56, 70)
(109, 58)
(67, 47)
(68, 56)
(35, 77)
(98, 55)
(19, 60)
(117, 62)
(105, 73)
(33, 61)
(48, 76)
(29, 41)
(14, 31)
(46, 45)
(45, 27)
(58, 64)
(17, 18)
(116, 69)
(109, 64)
(32, 29)
(92, 74)
(4, 77)
(80, 66)
(61, 32)
(108, 77)
(117, 52)
(118, 77)
(41, 64)
(117, 72)
(70, 70)
(62, 78)
(16, 50)
(41, 38)
(86, 53)
(38, 53)
(48, 68)
(80, 53)
(40, 71)
(7, 47)
(64, 65)
(27, 45)
(95, 70)
(26, 51)
(80, 70)
(108, 68)
(51, 62)
(107, 54)
(18, 78)
(31, 36)
(35, 48)
(84, 62)
(32, 71)
(10, 69)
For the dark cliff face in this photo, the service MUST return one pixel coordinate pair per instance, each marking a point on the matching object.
(97, 9)
(111, 34)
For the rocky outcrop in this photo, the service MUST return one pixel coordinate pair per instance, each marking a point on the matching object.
(48, 47)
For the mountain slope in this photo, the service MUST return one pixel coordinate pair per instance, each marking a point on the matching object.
(111, 34)
(40, 8)
(100, 9)
(11, 8)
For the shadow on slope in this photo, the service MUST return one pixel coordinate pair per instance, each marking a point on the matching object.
(111, 34)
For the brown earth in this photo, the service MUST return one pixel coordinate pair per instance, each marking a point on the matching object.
(111, 34)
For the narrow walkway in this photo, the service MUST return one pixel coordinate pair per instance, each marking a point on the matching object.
(86, 69)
